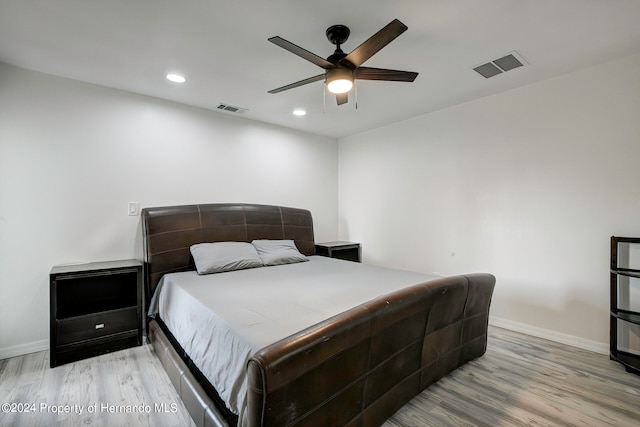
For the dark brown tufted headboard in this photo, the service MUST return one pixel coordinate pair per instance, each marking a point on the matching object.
(168, 232)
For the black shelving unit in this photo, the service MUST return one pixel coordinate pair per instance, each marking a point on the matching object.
(630, 361)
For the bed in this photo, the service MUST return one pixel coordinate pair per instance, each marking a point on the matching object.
(353, 364)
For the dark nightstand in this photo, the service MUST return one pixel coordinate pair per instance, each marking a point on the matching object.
(342, 250)
(95, 308)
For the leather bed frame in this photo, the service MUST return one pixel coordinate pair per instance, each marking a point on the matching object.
(354, 369)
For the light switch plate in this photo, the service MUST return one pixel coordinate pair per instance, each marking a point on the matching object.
(133, 208)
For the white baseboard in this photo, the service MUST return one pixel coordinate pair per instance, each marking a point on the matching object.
(22, 349)
(595, 346)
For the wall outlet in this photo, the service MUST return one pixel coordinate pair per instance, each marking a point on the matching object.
(133, 208)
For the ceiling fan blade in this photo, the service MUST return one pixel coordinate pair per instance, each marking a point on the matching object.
(367, 73)
(342, 98)
(374, 43)
(297, 84)
(302, 53)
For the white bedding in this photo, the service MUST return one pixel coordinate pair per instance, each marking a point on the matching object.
(221, 319)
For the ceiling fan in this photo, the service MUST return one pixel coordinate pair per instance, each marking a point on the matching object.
(342, 69)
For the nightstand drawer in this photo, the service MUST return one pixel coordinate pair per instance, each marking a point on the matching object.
(97, 325)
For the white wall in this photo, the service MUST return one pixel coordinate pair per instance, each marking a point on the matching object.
(527, 184)
(72, 155)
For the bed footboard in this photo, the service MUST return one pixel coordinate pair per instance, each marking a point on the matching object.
(359, 367)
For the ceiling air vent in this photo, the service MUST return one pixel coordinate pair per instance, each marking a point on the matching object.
(231, 108)
(498, 66)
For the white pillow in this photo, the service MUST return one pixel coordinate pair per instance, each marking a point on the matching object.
(224, 256)
(278, 252)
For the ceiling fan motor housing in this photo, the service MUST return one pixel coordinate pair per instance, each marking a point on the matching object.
(338, 34)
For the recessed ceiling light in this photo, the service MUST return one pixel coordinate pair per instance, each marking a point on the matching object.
(299, 112)
(176, 78)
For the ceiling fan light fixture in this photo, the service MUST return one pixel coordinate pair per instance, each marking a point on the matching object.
(339, 80)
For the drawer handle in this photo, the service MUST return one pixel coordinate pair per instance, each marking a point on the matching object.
(100, 326)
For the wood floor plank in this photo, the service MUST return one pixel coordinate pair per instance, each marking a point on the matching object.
(520, 381)
(523, 380)
(125, 388)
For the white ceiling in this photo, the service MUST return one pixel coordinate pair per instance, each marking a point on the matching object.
(221, 47)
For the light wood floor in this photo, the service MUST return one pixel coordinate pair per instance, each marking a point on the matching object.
(520, 381)
(120, 381)
(526, 381)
